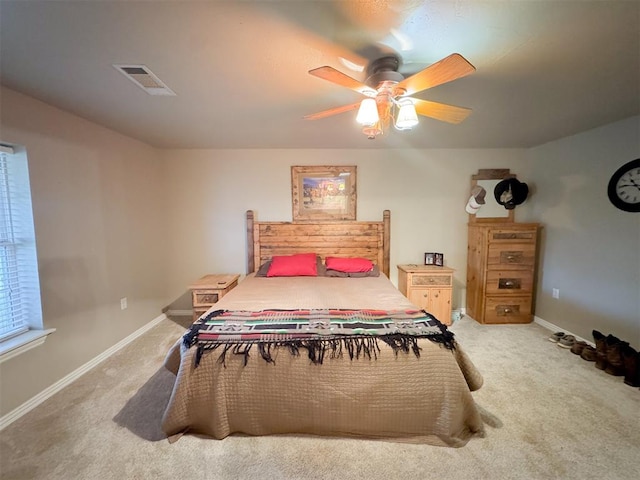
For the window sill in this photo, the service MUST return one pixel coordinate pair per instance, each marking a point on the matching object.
(20, 344)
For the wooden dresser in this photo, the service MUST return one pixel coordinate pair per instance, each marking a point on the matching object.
(428, 287)
(206, 291)
(501, 272)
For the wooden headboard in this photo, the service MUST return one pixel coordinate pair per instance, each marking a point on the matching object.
(337, 238)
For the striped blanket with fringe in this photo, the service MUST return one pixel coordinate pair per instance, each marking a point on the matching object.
(319, 332)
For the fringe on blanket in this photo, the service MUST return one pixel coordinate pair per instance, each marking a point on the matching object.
(355, 346)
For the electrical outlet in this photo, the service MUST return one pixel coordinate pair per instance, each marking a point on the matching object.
(123, 303)
(555, 292)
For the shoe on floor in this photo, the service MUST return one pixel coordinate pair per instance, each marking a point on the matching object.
(631, 360)
(615, 363)
(555, 338)
(601, 349)
(578, 347)
(567, 341)
(589, 353)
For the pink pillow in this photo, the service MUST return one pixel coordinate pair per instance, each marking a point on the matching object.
(350, 265)
(302, 264)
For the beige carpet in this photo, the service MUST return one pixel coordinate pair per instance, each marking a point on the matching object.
(550, 415)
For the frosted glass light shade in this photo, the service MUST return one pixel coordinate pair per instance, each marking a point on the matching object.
(368, 112)
(407, 116)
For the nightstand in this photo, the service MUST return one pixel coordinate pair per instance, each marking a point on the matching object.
(429, 287)
(206, 291)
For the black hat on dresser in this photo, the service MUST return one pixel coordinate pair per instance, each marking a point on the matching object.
(511, 192)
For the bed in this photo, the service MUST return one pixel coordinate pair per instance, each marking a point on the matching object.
(355, 385)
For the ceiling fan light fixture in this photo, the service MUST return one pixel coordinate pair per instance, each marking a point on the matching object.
(368, 113)
(389, 92)
(407, 117)
(372, 131)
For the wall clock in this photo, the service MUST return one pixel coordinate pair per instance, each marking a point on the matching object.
(624, 187)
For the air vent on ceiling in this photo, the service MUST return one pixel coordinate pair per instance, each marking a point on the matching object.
(145, 79)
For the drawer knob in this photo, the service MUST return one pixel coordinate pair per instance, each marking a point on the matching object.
(431, 280)
(509, 283)
(507, 310)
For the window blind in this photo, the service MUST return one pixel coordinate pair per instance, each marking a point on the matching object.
(20, 307)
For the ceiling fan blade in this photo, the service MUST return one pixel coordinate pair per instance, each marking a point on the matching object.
(331, 111)
(335, 76)
(339, 28)
(441, 111)
(449, 68)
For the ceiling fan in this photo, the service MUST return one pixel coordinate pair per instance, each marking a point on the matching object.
(388, 93)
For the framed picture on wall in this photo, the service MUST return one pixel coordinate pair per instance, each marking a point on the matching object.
(323, 193)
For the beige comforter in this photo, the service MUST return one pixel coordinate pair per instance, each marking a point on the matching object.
(396, 397)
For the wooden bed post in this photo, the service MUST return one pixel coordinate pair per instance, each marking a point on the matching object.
(386, 221)
(250, 257)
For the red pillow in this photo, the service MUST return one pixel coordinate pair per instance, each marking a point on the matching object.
(350, 265)
(302, 264)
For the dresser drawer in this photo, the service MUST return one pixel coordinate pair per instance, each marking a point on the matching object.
(431, 280)
(204, 298)
(502, 235)
(505, 309)
(513, 255)
(509, 282)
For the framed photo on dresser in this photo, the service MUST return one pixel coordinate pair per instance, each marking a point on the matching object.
(433, 258)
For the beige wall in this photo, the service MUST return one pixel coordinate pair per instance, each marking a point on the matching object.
(426, 191)
(591, 250)
(98, 212)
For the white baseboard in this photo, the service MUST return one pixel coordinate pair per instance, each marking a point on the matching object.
(555, 328)
(32, 403)
(179, 313)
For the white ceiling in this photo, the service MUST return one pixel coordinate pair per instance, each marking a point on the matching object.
(545, 69)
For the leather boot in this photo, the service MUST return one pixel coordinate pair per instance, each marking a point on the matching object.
(578, 347)
(615, 365)
(588, 353)
(601, 349)
(631, 360)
